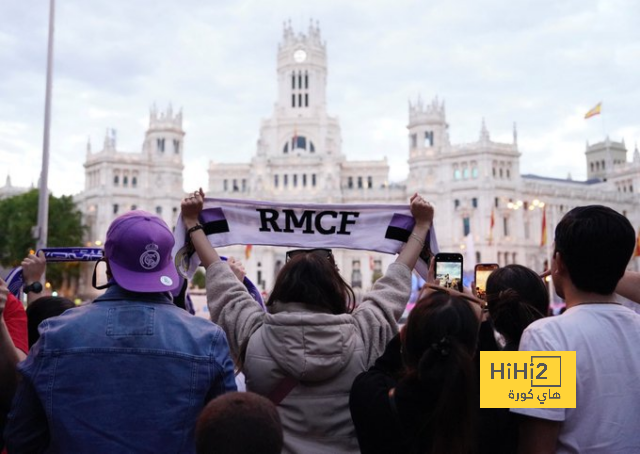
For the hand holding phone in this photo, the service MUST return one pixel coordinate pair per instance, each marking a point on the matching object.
(482, 272)
(448, 270)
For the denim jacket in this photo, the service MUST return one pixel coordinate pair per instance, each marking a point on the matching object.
(128, 373)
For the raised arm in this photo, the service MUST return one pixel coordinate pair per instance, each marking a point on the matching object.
(33, 268)
(377, 315)
(191, 208)
(422, 212)
(230, 304)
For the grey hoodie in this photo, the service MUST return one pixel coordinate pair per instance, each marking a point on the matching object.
(324, 352)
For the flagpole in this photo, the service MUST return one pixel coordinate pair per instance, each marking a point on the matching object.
(42, 229)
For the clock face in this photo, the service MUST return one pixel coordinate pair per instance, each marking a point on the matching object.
(299, 55)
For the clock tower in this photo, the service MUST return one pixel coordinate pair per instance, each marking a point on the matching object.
(302, 72)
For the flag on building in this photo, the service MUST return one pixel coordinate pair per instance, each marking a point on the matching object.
(491, 224)
(543, 236)
(594, 111)
(247, 251)
(294, 142)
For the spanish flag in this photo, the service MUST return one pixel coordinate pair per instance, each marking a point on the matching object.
(543, 236)
(491, 224)
(593, 112)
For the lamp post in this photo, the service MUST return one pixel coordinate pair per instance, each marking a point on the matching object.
(42, 229)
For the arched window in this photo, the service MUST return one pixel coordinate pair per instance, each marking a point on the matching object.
(116, 180)
(286, 148)
(134, 181)
(125, 180)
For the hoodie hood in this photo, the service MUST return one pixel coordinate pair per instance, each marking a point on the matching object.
(308, 345)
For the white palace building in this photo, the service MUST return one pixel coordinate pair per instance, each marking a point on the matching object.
(299, 158)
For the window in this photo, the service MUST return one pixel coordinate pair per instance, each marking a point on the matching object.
(299, 80)
(293, 100)
(592, 166)
(369, 182)
(306, 99)
(359, 182)
(306, 80)
(513, 257)
(158, 209)
(225, 185)
(474, 202)
(134, 207)
(356, 274)
(244, 185)
(456, 174)
(478, 257)
(313, 179)
(299, 99)
(350, 182)
(456, 204)
(116, 180)
(125, 181)
(428, 139)
(527, 230)
(474, 172)
(115, 208)
(505, 225)
(160, 143)
(508, 173)
(466, 226)
(293, 81)
(285, 180)
(176, 146)
(134, 182)
(500, 258)
(295, 180)
(286, 147)
(414, 140)
(494, 172)
(501, 175)
(312, 149)
(304, 179)
(496, 202)
(465, 173)
(275, 181)
(235, 185)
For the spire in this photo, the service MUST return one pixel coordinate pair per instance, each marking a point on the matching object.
(8, 183)
(88, 144)
(636, 154)
(515, 134)
(484, 134)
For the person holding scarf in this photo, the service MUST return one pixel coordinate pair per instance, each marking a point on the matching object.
(306, 350)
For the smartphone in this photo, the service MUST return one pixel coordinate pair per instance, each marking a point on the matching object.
(482, 272)
(448, 270)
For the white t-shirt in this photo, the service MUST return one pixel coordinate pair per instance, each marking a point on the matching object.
(606, 339)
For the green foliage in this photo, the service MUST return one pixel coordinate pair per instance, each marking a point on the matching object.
(199, 279)
(18, 216)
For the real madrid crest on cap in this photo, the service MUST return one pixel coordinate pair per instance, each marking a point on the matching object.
(151, 257)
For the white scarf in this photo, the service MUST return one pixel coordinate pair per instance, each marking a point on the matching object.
(380, 228)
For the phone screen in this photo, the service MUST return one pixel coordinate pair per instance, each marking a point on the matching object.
(482, 274)
(449, 274)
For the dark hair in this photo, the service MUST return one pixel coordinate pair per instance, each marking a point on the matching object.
(596, 244)
(314, 280)
(516, 297)
(42, 309)
(239, 423)
(439, 342)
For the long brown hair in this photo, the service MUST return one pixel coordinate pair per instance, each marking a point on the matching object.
(313, 279)
(439, 342)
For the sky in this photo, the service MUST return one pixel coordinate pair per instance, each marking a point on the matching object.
(539, 63)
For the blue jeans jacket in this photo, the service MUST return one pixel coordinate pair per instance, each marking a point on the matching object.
(128, 373)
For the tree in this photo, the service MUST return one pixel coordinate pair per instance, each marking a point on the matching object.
(18, 216)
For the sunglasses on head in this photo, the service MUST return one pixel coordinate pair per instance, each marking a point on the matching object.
(326, 253)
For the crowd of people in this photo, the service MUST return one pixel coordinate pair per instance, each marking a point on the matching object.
(135, 372)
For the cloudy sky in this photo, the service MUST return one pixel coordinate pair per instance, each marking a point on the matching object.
(539, 63)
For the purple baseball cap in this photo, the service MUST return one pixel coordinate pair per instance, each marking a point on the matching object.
(138, 248)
